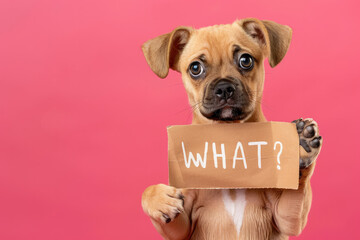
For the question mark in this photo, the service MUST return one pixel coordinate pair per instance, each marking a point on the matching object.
(279, 153)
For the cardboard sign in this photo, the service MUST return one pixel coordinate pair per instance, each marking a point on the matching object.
(234, 155)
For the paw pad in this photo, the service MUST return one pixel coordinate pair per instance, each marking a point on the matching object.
(309, 140)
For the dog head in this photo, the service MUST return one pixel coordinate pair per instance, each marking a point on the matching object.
(222, 66)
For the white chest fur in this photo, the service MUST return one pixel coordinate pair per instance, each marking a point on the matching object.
(235, 206)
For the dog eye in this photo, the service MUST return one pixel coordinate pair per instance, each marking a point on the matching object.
(196, 69)
(246, 61)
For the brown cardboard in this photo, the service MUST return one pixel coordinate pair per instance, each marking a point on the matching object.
(277, 168)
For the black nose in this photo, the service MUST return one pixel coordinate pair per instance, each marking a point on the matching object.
(224, 90)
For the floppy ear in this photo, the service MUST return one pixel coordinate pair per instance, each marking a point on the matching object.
(163, 52)
(274, 37)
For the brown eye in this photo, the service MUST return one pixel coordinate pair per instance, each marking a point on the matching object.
(246, 61)
(196, 69)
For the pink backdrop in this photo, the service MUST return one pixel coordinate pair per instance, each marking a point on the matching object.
(83, 119)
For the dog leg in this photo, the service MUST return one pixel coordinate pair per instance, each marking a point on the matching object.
(292, 206)
(165, 206)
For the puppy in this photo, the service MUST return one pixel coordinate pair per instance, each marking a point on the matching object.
(222, 69)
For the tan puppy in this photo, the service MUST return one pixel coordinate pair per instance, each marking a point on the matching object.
(223, 73)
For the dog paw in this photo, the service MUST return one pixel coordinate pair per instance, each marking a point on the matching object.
(310, 141)
(163, 203)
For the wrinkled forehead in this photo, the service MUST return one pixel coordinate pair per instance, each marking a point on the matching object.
(218, 43)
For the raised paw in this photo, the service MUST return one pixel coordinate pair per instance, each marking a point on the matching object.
(163, 203)
(310, 141)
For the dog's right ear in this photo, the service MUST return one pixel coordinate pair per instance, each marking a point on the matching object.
(163, 52)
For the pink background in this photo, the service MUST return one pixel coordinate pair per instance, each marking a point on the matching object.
(83, 119)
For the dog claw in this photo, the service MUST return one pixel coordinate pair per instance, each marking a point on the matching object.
(167, 218)
(297, 120)
(177, 214)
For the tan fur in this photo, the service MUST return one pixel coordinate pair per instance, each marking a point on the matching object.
(269, 213)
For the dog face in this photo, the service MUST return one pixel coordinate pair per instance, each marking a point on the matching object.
(222, 66)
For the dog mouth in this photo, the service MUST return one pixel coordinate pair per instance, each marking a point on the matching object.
(226, 113)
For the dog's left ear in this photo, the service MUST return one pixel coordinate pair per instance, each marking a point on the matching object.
(163, 52)
(273, 37)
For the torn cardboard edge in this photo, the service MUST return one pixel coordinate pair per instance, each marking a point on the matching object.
(234, 155)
